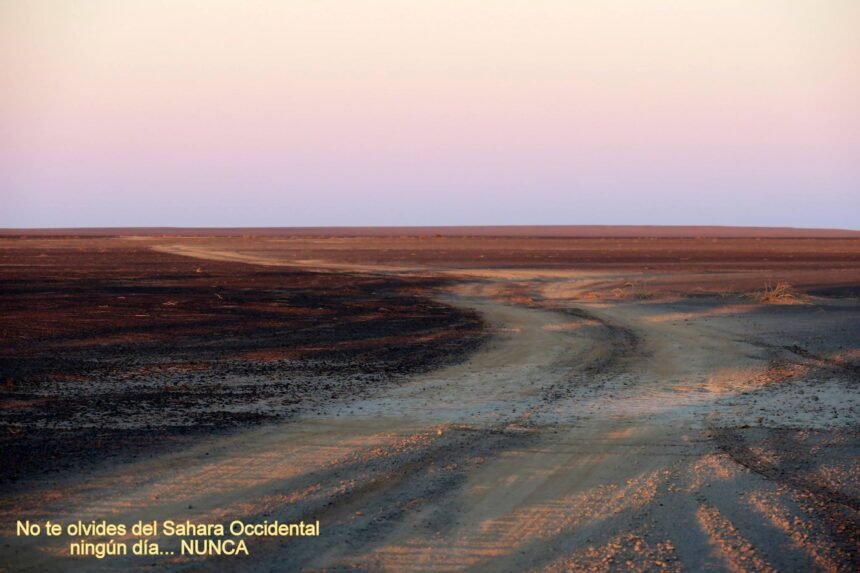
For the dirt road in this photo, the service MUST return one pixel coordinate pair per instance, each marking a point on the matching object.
(642, 435)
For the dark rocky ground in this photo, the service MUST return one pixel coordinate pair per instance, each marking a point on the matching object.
(109, 350)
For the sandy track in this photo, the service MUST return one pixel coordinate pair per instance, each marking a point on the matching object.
(582, 437)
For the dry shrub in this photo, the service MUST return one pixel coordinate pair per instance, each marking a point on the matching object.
(642, 292)
(638, 290)
(619, 293)
(633, 290)
(782, 293)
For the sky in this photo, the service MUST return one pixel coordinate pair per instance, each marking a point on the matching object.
(462, 112)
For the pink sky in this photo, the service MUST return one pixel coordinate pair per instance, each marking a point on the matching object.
(299, 113)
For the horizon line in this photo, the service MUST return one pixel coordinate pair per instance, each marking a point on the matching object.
(552, 231)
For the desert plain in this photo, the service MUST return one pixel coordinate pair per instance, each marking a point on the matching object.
(643, 400)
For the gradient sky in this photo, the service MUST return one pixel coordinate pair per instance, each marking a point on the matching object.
(357, 112)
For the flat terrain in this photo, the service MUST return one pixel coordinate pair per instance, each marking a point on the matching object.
(440, 403)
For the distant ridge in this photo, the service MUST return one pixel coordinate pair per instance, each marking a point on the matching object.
(555, 231)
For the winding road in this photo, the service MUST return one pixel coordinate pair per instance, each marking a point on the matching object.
(580, 437)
